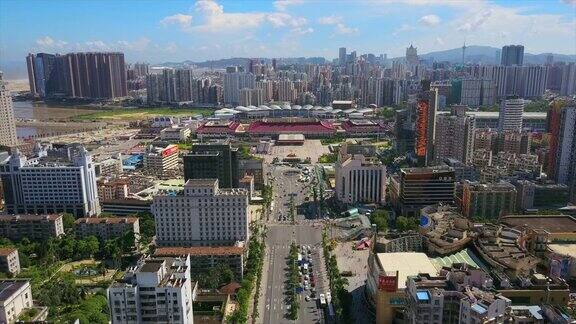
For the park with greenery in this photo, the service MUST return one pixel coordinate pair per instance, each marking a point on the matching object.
(70, 274)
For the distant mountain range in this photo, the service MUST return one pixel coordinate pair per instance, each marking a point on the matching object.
(474, 54)
(241, 61)
(487, 55)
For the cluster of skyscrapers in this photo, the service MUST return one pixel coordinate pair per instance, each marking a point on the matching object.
(77, 75)
(180, 85)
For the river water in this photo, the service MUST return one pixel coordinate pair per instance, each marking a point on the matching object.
(40, 111)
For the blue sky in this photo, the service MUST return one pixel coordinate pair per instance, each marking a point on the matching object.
(175, 30)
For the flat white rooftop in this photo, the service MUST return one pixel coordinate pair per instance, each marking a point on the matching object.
(407, 264)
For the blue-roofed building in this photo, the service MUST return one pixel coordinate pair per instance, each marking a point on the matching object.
(422, 296)
(132, 162)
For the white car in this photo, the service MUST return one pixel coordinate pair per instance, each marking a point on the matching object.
(307, 298)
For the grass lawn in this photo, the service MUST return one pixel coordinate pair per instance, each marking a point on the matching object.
(133, 114)
(382, 144)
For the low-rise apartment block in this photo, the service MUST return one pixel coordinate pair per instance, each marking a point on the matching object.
(107, 228)
(204, 257)
(175, 133)
(15, 297)
(33, 227)
(9, 261)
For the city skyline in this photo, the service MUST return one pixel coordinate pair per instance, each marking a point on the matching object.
(207, 29)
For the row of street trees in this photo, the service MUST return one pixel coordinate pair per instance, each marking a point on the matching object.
(341, 298)
(293, 282)
(252, 275)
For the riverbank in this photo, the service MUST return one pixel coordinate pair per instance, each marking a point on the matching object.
(40, 111)
(135, 114)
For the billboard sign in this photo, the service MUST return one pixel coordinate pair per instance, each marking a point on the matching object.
(387, 283)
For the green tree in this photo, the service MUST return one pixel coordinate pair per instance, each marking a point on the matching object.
(127, 241)
(406, 224)
(92, 246)
(386, 112)
(328, 158)
(59, 291)
(67, 248)
(244, 152)
(380, 218)
(112, 252)
(541, 105)
(147, 227)
(68, 222)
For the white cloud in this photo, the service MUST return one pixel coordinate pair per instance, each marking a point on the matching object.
(209, 7)
(430, 20)
(171, 48)
(95, 45)
(329, 20)
(487, 23)
(570, 2)
(475, 20)
(405, 28)
(280, 19)
(140, 44)
(343, 29)
(212, 18)
(302, 31)
(49, 42)
(283, 4)
(451, 3)
(184, 21)
(337, 22)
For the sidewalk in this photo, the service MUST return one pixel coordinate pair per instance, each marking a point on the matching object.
(262, 288)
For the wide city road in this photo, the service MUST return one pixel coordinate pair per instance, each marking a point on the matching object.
(282, 231)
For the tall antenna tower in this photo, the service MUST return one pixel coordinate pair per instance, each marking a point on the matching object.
(463, 52)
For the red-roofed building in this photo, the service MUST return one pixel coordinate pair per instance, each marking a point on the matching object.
(203, 257)
(107, 228)
(218, 129)
(355, 127)
(230, 288)
(33, 227)
(308, 127)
